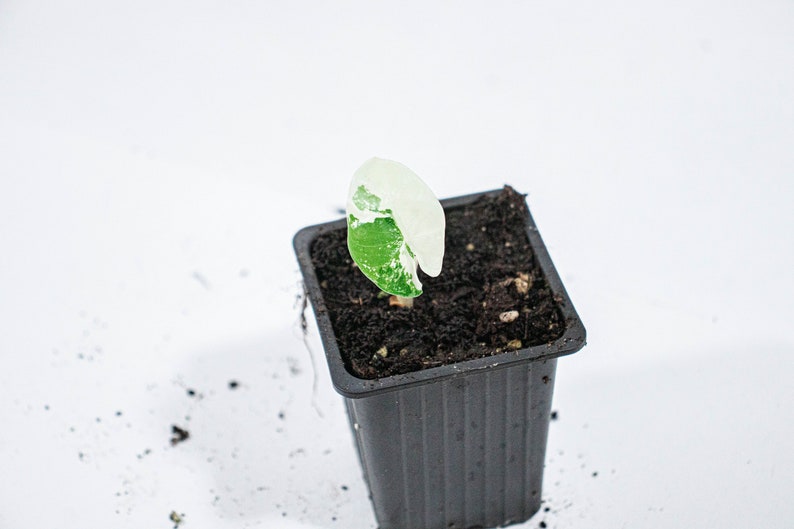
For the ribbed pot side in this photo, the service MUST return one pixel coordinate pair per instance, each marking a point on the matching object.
(460, 453)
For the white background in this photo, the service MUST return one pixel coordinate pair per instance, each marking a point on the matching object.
(157, 157)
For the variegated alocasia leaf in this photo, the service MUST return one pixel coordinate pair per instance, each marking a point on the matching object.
(394, 224)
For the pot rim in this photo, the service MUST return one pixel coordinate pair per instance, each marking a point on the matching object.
(572, 340)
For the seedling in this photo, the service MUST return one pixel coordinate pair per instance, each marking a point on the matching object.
(395, 224)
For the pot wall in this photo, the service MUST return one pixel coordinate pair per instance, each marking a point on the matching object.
(460, 453)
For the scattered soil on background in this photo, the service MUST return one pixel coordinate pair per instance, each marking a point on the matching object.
(490, 297)
(178, 435)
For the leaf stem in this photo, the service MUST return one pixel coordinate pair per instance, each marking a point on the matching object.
(400, 301)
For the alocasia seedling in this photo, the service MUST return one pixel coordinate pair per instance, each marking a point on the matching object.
(395, 223)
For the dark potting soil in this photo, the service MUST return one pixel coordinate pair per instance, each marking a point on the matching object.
(466, 312)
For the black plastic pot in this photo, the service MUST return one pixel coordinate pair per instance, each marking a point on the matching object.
(459, 446)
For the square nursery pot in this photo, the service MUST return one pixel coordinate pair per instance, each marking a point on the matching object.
(457, 446)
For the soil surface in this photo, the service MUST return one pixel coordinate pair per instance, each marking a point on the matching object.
(490, 297)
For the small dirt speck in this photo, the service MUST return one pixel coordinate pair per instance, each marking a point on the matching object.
(554, 415)
(179, 435)
(233, 384)
(199, 277)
